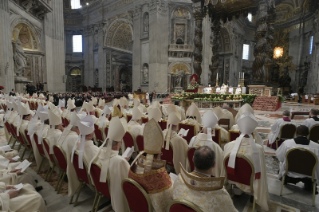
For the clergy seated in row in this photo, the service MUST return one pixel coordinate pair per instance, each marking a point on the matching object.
(204, 138)
(228, 115)
(139, 104)
(156, 104)
(67, 140)
(124, 105)
(90, 109)
(149, 170)
(243, 109)
(113, 165)
(193, 117)
(103, 120)
(245, 145)
(223, 132)
(3, 138)
(300, 141)
(134, 125)
(173, 140)
(180, 110)
(200, 187)
(13, 113)
(99, 109)
(56, 129)
(26, 199)
(117, 110)
(275, 128)
(71, 108)
(313, 118)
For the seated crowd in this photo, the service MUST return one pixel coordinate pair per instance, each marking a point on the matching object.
(167, 165)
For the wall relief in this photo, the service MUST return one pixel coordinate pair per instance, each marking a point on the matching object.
(120, 36)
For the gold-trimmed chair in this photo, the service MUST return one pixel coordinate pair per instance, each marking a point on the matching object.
(136, 197)
(191, 133)
(244, 173)
(179, 205)
(287, 131)
(60, 158)
(306, 166)
(314, 133)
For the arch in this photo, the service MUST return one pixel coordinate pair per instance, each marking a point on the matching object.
(119, 27)
(172, 68)
(75, 71)
(24, 35)
(181, 12)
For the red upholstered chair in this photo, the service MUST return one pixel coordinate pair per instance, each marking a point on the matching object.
(168, 155)
(137, 198)
(28, 140)
(60, 158)
(98, 134)
(233, 135)
(191, 133)
(144, 120)
(163, 124)
(67, 122)
(314, 133)
(14, 134)
(40, 149)
(128, 118)
(183, 206)
(225, 123)
(128, 140)
(63, 121)
(244, 173)
(217, 137)
(190, 155)
(140, 143)
(46, 146)
(23, 142)
(102, 189)
(8, 127)
(36, 106)
(82, 174)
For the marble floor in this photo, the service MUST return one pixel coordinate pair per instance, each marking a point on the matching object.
(294, 198)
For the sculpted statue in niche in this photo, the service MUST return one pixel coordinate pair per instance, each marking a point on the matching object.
(146, 22)
(145, 73)
(178, 78)
(19, 57)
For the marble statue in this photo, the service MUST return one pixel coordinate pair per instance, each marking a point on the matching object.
(19, 57)
(178, 78)
(145, 74)
(146, 23)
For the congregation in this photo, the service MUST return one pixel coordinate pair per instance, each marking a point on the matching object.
(165, 165)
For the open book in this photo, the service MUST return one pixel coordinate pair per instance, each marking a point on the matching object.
(16, 188)
(16, 158)
(183, 132)
(128, 152)
(24, 165)
(6, 148)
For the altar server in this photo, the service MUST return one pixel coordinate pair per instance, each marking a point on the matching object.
(246, 146)
(149, 170)
(204, 138)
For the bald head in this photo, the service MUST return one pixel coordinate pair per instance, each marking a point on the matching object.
(204, 158)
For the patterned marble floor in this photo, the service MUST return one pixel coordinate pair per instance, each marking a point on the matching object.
(294, 199)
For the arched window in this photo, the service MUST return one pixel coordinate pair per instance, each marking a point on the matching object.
(179, 41)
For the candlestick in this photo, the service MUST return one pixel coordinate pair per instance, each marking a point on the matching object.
(243, 75)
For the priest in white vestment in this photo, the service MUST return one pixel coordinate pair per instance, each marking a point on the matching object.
(300, 141)
(193, 117)
(200, 187)
(179, 144)
(313, 120)
(275, 128)
(247, 108)
(224, 135)
(149, 170)
(113, 165)
(26, 199)
(103, 120)
(56, 129)
(204, 138)
(246, 146)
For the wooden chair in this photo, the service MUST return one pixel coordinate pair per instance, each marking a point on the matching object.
(140, 143)
(83, 177)
(225, 123)
(287, 131)
(179, 205)
(168, 155)
(190, 155)
(128, 140)
(191, 132)
(244, 173)
(60, 158)
(314, 133)
(137, 198)
(306, 166)
(102, 189)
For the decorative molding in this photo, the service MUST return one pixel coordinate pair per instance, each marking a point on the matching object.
(159, 6)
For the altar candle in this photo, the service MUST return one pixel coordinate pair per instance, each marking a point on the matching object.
(217, 76)
(243, 75)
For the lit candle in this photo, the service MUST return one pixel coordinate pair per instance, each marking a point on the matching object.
(243, 75)
(217, 76)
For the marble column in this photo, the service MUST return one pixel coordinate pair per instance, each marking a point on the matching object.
(137, 66)
(6, 56)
